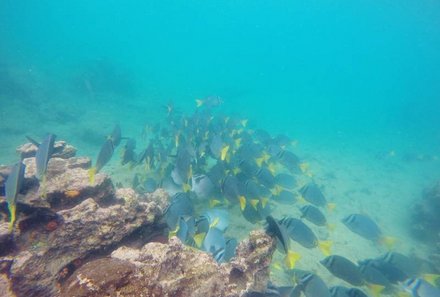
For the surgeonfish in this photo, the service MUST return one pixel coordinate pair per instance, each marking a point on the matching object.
(340, 291)
(105, 154)
(313, 194)
(313, 286)
(313, 215)
(344, 269)
(418, 287)
(13, 185)
(43, 155)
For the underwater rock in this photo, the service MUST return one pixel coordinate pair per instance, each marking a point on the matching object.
(61, 150)
(5, 286)
(174, 269)
(85, 229)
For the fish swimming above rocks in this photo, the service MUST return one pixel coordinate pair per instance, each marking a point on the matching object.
(280, 233)
(13, 185)
(301, 233)
(344, 269)
(128, 153)
(44, 152)
(104, 156)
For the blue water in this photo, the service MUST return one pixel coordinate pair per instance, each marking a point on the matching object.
(352, 81)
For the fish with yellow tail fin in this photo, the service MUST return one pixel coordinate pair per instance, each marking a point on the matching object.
(105, 154)
(376, 281)
(42, 156)
(224, 152)
(12, 189)
(279, 232)
(418, 287)
(210, 101)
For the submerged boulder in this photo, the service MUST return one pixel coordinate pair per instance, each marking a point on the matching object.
(174, 269)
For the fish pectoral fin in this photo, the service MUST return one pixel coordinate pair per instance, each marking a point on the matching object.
(325, 247)
(291, 259)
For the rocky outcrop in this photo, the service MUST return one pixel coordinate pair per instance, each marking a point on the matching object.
(174, 269)
(61, 150)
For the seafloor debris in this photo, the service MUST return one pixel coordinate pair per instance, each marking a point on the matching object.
(67, 234)
(174, 269)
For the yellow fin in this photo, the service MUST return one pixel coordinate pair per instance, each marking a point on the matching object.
(12, 211)
(199, 102)
(375, 289)
(214, 222)
(304, 167)
(388, 241)
(224, 152)
(92, 172)
(272, 168)
(186, 187)
(173, 232)
(276, 190)
(214, 203)
(236, 170)
(242, 202)
(198, 239)
(331, 227)
(431, 278)
(325, 247)
(259, 161)
(291, 259)
(264, 202)
(277, 266)
(331, 206)
(244, 122)
(254, 203)
(301, 199)
(237, 142)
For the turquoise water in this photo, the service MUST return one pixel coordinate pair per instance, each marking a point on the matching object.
(356, 83)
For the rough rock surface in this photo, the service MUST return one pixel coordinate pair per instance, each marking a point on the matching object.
(174, 269)
(61, 150)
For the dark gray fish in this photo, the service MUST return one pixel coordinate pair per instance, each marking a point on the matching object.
(180, 205)
(339, 291)
(202, 186)
(249, 168)
(286, 181)
(401, 262)
(265, 177)
(170, 186)
(373, 276)
(215, 243)
(313, 286)
(229, 188)
(13, 185)
(289, 160)
(313, 194)
(44, 152)
(392, 273)
(279, 231)
(115, 136)
(363, 226)
(344, 269)
(421, 288)
(299, 232)
(251, 212)
(149, 185)
(186, 229)
(105, 154)
(313, 215)
(216, 146)
(128, 153)
(285, 197)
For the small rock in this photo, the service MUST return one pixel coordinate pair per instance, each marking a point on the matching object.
(61, 150)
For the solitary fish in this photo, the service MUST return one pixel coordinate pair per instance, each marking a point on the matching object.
(12, 188)
(363, 226)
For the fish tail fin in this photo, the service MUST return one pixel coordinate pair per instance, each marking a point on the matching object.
(259, 161)
(199, 102)
(92, 173)
(331, 206)
(242, 202)
(331, 227)
(304, 167)
(376, 290)
(12, 211)
(186, 187)
(43, 186)
(198, 239)
(388, 241)
(254, 203)
(224, 152)
(431, 278)
(213, 203)
(325, 247)
(291, 259)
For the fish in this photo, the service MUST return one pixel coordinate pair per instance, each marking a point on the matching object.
(377, 282)
(313, 215)
(218, 218)
(285, 197)
(289, 160)
(265, 177)
(418, 287)
(231, 246)
(105, 154)
(210, 101)
(313, 286)
(115, 136)
(13, 185)
(202, 186)
(280, 233)
(128, 153)
(365, 227)
(44, 152)
(340, 291)
(344, 269)
(402, 263)
(180, 205)
(311, 193)
(285, 181)
(301, 233)
(391, 272)
(215, 243)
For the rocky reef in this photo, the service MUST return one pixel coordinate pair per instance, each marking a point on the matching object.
(73, 238)
(425, 221)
